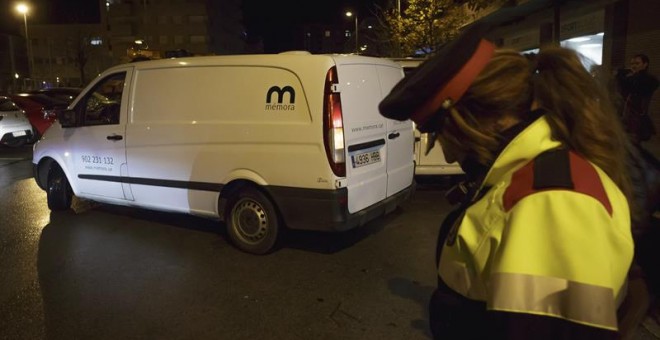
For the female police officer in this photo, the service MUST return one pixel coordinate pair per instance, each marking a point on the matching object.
(541, 244)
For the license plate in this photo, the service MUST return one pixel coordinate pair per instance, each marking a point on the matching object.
(366, 158)
(18, 133)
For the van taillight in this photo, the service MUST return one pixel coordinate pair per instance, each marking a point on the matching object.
(333, 125)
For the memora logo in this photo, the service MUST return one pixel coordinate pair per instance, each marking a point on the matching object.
(279, 93)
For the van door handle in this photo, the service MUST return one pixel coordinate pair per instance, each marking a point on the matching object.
(115, 137)
(393, 135)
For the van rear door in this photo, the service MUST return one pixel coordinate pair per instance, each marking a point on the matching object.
(400, 139)
(378, 161)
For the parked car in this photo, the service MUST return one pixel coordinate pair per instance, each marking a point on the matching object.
(36, 107)
(67, 94)
(15, 128)
(433, 163)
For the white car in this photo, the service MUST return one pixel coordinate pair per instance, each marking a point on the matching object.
(15, 128)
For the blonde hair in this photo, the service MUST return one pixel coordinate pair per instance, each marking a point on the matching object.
(579, 112)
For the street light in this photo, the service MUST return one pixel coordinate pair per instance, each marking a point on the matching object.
(350, 14)
(24, 9)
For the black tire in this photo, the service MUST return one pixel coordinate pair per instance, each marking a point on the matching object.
(252, 222)
(58, 190)
(16, 142)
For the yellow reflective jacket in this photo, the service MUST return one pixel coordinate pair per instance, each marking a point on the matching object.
(559, 252)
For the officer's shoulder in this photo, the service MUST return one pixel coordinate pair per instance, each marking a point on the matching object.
(556, 169)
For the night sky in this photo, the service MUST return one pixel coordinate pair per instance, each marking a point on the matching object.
(275, 21)
(48, 12)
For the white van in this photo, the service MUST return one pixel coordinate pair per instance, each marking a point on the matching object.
(259, 141)
(433, 163)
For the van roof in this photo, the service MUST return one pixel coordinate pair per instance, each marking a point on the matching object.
(408, 62)
(282, 59)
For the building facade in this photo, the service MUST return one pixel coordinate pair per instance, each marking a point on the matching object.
(14, 67)
(608, 33)
(73, 54)
(150, 28)
(68, 55)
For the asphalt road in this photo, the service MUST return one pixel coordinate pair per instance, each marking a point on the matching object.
(104, 272)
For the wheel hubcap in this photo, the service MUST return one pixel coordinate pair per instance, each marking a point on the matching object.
(249, 221)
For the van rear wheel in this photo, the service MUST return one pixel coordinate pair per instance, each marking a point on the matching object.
(58, 191)
(252, 222)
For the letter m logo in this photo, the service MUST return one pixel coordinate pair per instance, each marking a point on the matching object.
(280, 94)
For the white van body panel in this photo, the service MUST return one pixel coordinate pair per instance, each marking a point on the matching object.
(363, 126)
(368, 132)
(90, 150)
(190, 127)
(235, 137)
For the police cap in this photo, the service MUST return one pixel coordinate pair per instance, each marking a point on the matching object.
(440, 81)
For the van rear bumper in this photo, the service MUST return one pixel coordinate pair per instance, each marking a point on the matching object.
(327, 210)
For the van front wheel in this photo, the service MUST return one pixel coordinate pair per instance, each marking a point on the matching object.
(252, 223)
(58, 191)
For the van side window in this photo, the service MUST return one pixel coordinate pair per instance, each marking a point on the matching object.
(101, 106)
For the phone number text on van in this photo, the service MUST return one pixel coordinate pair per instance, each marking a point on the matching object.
(97, 160)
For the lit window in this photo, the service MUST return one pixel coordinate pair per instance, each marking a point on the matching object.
(96, 41)
(327, 33)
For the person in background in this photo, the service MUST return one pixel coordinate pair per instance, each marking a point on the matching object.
(541, 245)
(636, 86)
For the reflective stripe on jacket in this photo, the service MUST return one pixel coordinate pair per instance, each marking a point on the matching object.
(560, 252)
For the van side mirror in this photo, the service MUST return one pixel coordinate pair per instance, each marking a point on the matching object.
(67, 118)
